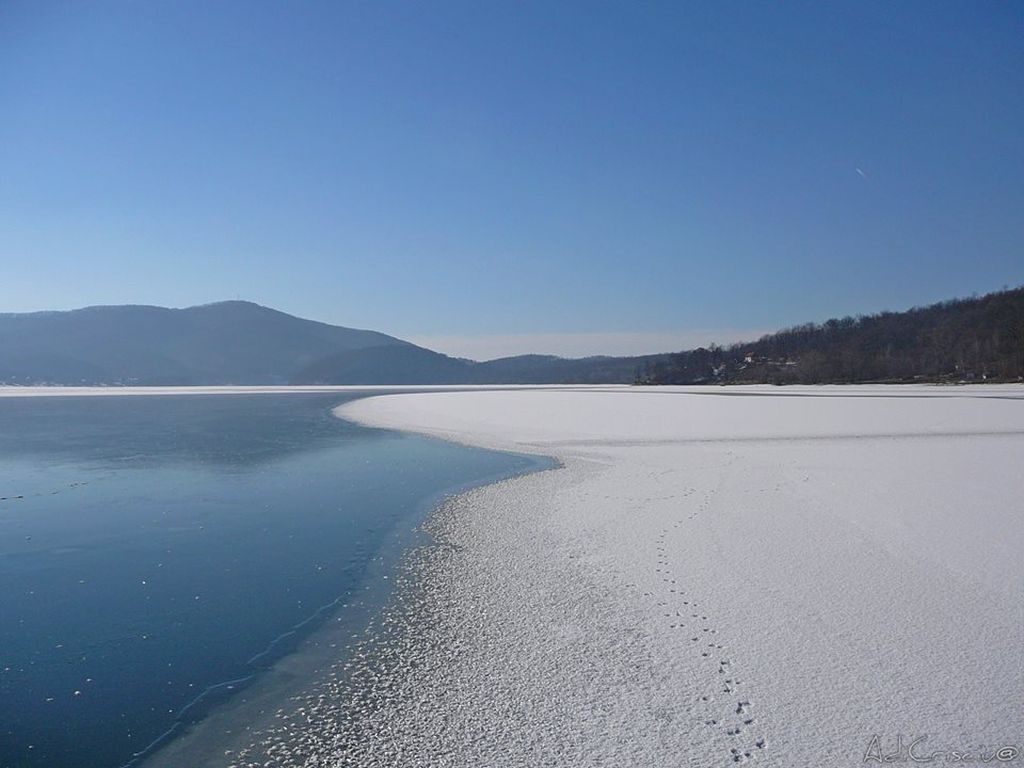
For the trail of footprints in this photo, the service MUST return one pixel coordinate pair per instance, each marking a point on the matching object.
(734, 712)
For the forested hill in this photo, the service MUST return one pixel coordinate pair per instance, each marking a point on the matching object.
(976, 339)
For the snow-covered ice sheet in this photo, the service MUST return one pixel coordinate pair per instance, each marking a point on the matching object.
(717, 576)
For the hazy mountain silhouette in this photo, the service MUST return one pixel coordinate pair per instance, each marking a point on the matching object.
(238, 342)
(230, 342)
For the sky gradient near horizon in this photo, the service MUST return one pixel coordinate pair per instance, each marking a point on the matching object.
(540, 175)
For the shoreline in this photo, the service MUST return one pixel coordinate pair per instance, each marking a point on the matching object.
(1012, 390)
(224, 732)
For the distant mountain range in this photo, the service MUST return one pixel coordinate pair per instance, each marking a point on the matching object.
(231, 342)
(238, 342)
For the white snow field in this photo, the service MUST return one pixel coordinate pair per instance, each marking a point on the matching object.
(792, 577)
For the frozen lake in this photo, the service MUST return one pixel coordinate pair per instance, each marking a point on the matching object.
(157, 552)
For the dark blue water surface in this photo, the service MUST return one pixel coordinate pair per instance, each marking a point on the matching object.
(152, 548)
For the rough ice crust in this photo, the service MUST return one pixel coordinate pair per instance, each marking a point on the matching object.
(713, 577)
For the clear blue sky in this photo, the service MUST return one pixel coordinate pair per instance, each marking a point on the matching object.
(470, 169)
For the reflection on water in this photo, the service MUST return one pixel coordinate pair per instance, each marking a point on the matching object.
(153, 547)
